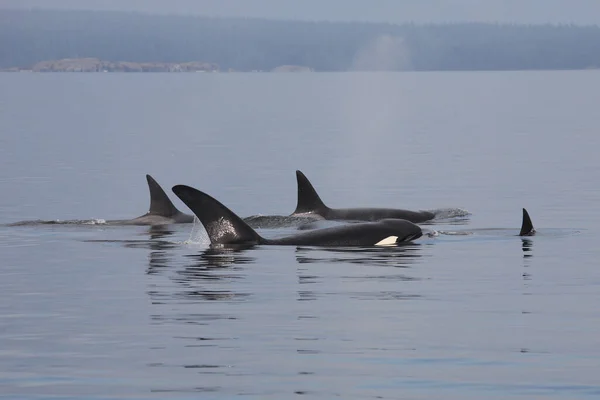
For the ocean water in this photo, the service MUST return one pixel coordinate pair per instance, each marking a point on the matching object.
(112, 312)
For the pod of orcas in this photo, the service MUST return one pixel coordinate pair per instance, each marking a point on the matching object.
(163, 211)
(382, 227)
(224, 227)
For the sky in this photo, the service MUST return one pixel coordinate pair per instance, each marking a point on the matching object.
(581, 12)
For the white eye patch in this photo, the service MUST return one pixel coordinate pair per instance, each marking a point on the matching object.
(387, 241)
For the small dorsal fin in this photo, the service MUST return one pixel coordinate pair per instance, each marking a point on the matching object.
(160, 204)
(308, 199)
(527, 228)
(221, 224)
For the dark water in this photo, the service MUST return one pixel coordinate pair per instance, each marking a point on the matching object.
(110, 312)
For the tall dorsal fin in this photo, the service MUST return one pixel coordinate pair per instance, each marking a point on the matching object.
(527, 226)
(160, 204)
(308, 199)
(221, 224)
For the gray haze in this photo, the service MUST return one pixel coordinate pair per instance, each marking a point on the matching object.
(394, 11)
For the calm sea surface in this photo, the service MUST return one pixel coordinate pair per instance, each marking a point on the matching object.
(114, 312)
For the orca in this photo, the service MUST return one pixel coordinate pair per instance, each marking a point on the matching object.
(161, 212)
(527, 228)
(309, 203)
(226, 228)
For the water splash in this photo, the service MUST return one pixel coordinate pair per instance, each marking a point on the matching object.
(450, 213)
(198, 234)
(36, 222)
(455, 233)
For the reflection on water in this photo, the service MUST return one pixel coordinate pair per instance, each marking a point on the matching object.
(159, 232)
(204, 277)
(400, 258)
(224, 257)
(393, 256)
(159, 257)
(527, 246)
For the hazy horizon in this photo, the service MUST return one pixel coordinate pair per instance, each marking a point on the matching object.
(265, 45)
(580, 12)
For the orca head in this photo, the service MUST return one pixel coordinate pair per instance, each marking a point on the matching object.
(403, 230)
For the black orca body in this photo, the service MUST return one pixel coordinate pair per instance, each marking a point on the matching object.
(309, 202)
(226, 228)
(162, 211)
(527, 228)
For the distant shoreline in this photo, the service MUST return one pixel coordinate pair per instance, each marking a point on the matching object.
(159, 68)
(83, 41)
(90, 64)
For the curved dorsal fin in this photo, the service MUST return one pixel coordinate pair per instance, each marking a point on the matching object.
(527, 226)
(308, 199)
(160, 204)
(221, 224)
